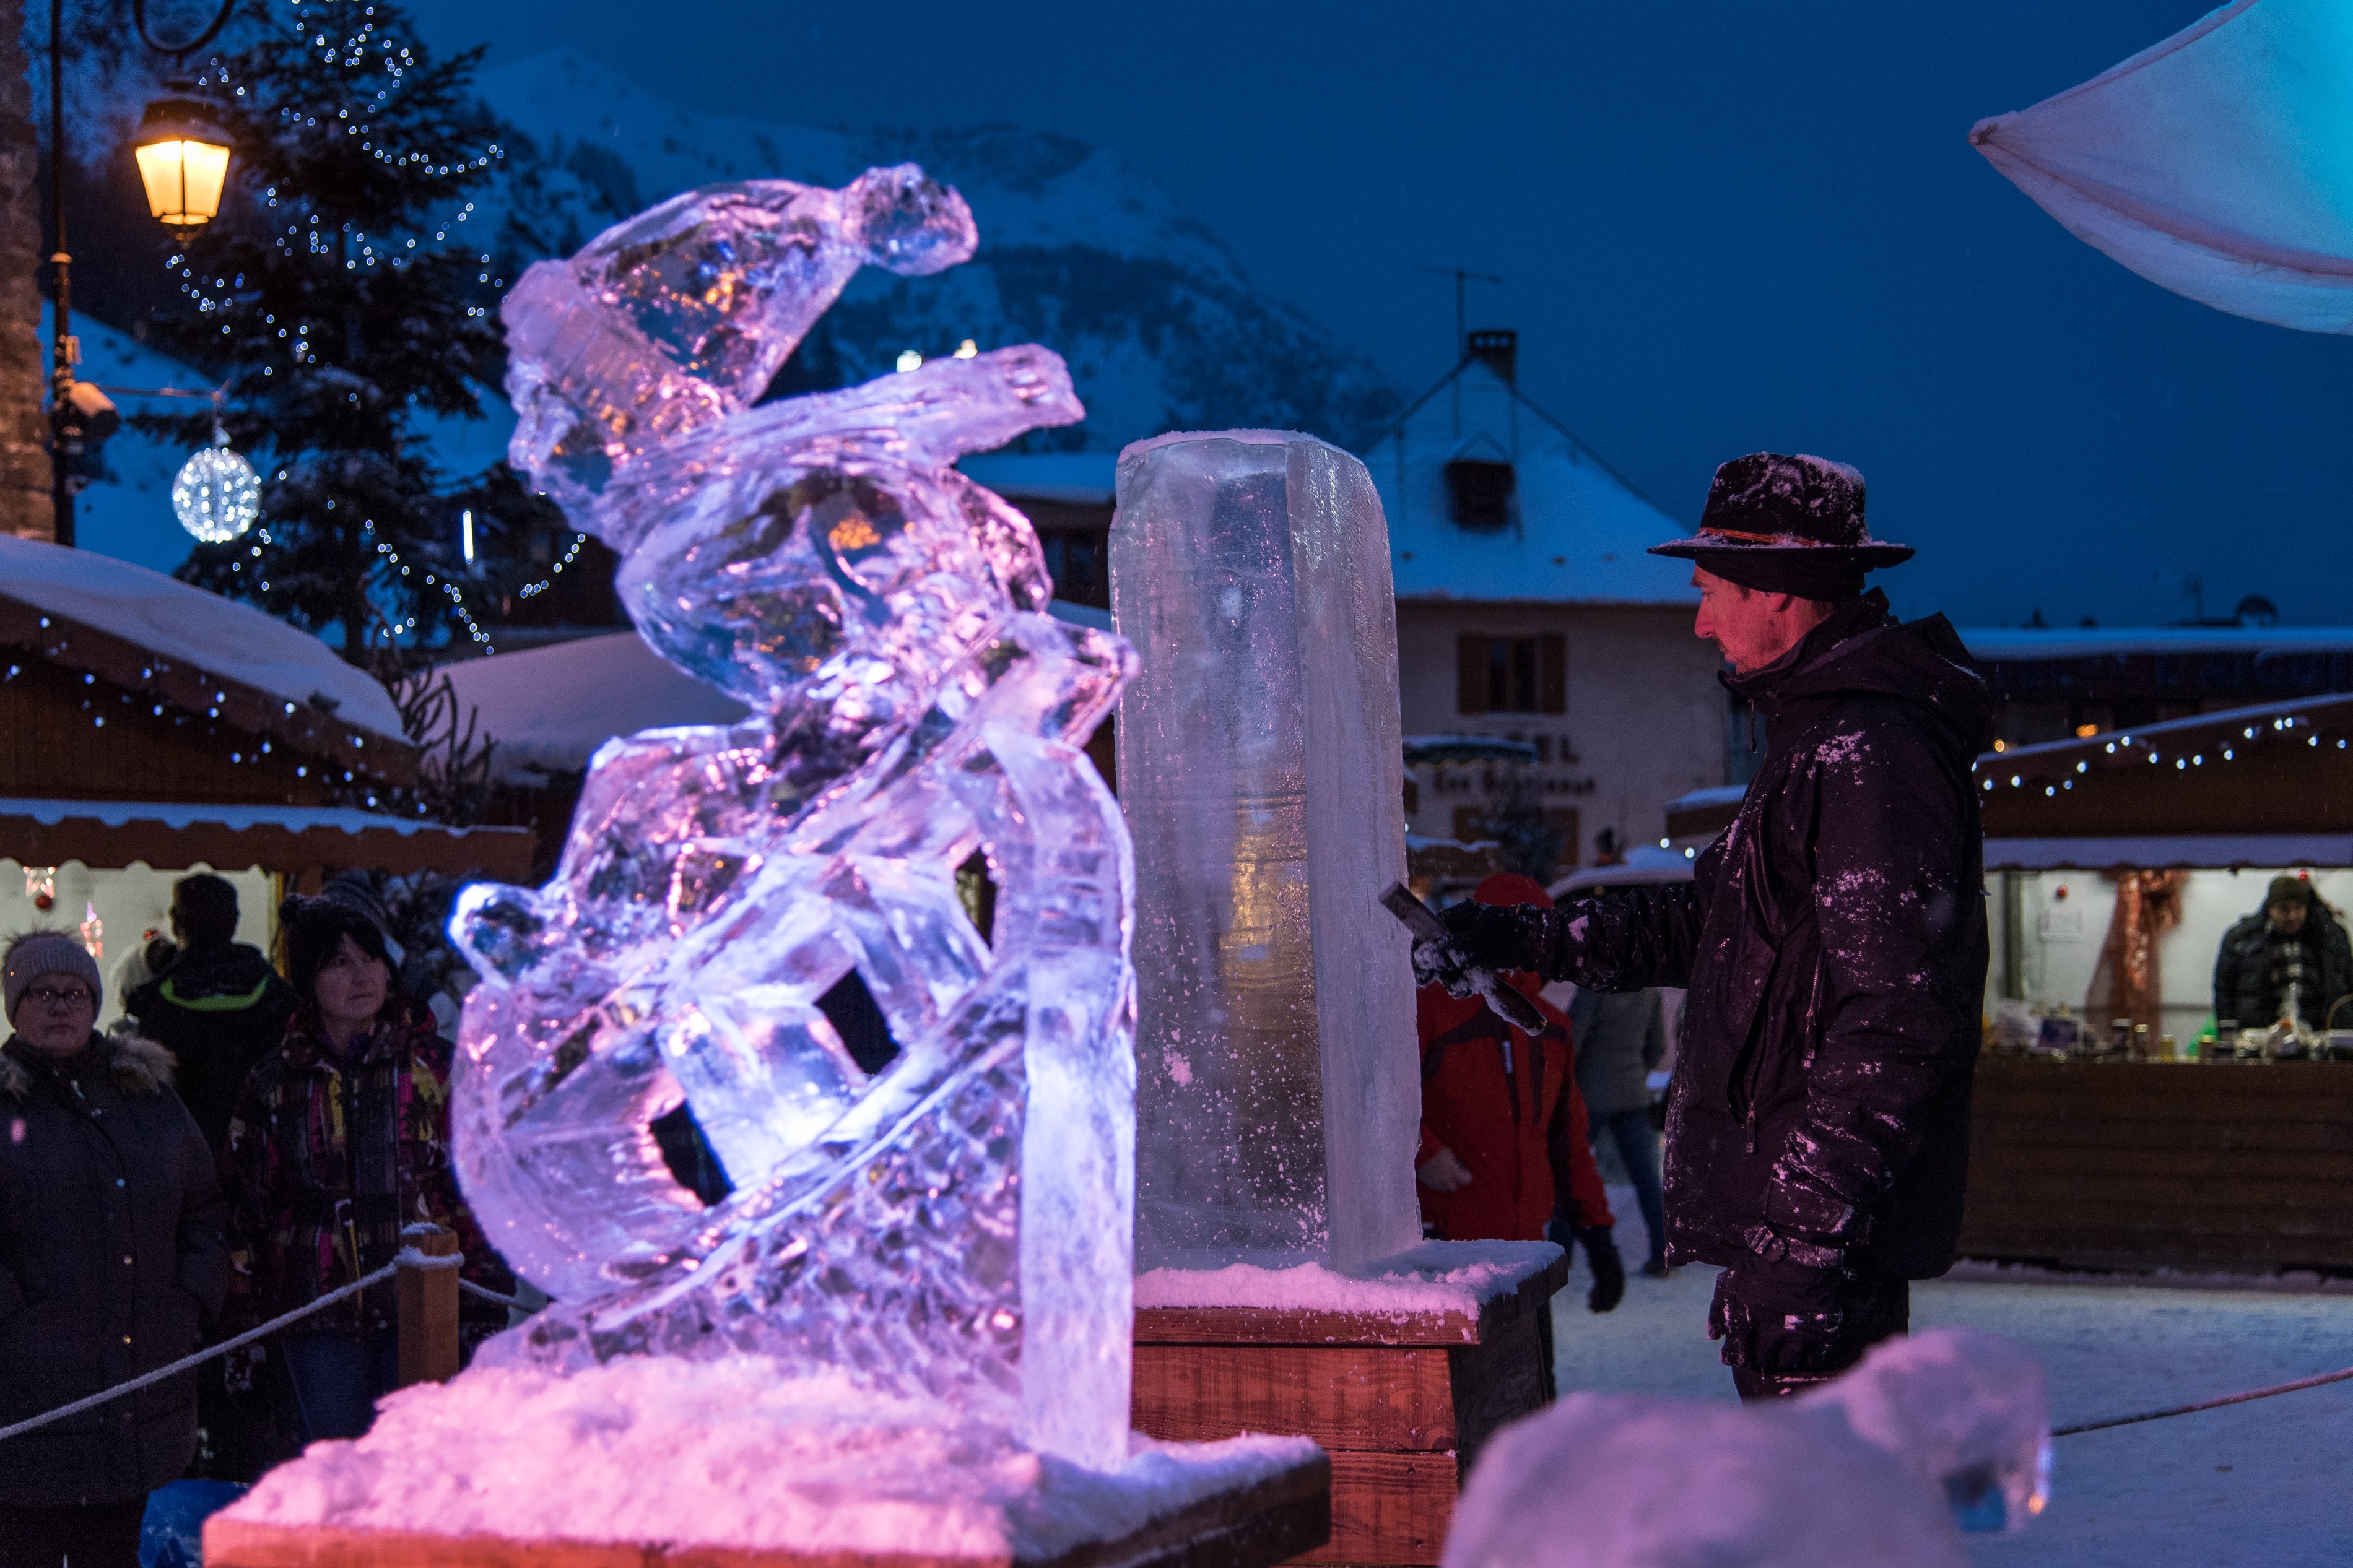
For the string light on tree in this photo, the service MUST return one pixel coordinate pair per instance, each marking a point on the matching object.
(355, 303)
(545, 584)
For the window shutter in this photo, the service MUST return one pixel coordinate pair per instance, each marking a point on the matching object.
(1470, 673)
(1552, 674)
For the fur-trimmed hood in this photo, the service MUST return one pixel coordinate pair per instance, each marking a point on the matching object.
(138, 1067)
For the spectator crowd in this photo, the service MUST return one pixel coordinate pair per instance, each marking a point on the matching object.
(244, 1144)
(250, 1139)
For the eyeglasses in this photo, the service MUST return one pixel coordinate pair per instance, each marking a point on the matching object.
(73, 997)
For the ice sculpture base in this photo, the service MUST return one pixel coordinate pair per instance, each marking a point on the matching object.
(1401, 1370)
(737, 1464)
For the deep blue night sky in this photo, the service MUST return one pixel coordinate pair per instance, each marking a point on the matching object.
(1722, 226)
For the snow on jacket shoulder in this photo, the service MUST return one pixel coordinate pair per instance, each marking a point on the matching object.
(110, 1252)
(1833, 942)
(1519, 1130)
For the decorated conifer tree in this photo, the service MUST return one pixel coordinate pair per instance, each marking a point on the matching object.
(347, 292)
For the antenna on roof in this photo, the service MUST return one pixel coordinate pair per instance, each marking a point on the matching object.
(1463, 279)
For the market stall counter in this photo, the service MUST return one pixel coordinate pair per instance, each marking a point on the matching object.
(2222, 1166)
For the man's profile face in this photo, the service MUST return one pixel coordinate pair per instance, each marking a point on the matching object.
(1741, 621)
(2288, 918)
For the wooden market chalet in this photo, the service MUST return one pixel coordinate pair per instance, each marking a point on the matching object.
(146, 723)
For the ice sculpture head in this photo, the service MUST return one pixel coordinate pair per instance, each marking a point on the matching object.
(684, 314)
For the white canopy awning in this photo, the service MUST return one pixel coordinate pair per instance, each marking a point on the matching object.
(2218, 163)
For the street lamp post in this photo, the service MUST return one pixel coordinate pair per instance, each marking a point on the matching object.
(184, 164)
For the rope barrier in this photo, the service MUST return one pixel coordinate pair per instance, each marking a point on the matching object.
(186, 1363)
(2203, 1405)
(517, 1302)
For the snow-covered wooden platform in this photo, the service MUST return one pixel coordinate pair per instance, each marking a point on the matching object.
(734, 1464)
(1401, 1373)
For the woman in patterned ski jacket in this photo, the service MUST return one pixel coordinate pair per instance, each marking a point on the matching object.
(340, 1139)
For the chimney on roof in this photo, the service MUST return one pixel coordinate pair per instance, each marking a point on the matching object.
(1498, 350)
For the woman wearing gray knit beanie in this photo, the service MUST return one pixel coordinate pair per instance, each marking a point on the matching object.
(110, 1251)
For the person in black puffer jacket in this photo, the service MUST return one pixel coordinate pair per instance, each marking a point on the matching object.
(1833, 940)
(111, 1252)
(217, 1007)
(2292, 945)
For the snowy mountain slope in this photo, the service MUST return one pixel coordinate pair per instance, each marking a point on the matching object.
(1077, 251)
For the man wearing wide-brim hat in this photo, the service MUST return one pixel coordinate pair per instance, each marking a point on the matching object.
(1833, 939)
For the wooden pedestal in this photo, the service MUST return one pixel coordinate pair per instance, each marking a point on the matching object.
(1252, 1527)
(1400, 1400)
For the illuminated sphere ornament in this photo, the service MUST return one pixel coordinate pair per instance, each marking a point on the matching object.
(217, 495)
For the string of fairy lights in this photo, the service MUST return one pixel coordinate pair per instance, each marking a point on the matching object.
(361, 45)
(579, 542)
(2198, 754)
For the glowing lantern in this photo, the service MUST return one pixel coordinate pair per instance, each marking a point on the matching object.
(182, 161)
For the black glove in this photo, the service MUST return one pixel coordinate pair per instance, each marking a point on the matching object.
(1498, 937)
(1779, 1319)
(1609, 1269)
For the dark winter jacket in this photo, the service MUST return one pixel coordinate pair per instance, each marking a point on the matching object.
(1833, 940)
(1620, 1038)
(330, 1157)
(218, 1010)
(110, 1252)
(2242, 971)
(1508, 1110)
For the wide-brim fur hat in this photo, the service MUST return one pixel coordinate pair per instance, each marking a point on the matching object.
(1772, 504)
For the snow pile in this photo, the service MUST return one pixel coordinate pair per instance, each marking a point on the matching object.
(169, 618)
(736, 1453)
(1431, 1280)
(550, 708)
(1871, 1470)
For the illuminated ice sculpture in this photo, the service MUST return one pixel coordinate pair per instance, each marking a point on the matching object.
(942, 1213)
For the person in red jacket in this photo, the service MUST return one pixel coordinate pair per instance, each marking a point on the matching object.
(1502, 1127)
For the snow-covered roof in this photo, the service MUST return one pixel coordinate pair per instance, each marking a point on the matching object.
(234, 642)
(2009, 645)
(1421, 749)
(2157, 852)
(549, 709)
(2161, 736)
(179, 814)
(1580, 530)
(1702, 799)
(1646, 865)
(172, 834)
(1082, 478)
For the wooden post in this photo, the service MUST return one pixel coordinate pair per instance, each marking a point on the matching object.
(428, 1307)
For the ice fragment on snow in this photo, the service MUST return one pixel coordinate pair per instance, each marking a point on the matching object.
(1871, 1471)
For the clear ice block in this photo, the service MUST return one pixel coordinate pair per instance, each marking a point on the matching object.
(951, 1223)
(1261, 771)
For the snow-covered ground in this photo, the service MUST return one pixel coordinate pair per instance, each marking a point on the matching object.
(2269, 1482)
